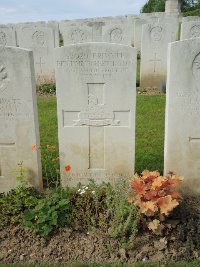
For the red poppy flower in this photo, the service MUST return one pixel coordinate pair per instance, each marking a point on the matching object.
(67, 168)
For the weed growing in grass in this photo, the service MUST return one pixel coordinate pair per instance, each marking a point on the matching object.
(22, 174)
(46, 88)
(50, 164)
(155, 196)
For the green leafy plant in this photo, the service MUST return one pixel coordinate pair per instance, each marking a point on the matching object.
(89, 206)
(106, 207)
(46, 88)
(14, 203)
(156, 197)
(123, 215)
(52, 210)
(22, 173)
(50, 162)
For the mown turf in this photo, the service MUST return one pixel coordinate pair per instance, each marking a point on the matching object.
(149, 129)
(150, 115)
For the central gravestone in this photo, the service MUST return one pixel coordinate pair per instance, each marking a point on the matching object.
(96, 111)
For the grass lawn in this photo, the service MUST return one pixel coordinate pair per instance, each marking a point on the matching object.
(149, 131)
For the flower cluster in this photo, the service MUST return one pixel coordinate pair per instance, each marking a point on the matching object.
(85, 189)
(155, 195)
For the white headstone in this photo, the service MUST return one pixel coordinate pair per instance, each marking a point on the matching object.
(41, 39)
(119, 30)
(76, 31)
(7, 36)
(182, 127)
(153, 68)
(18, 118)
(190, 28)
(153, 18)
(96, 93)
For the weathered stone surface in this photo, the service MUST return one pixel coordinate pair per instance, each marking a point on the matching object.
(42, 39)
(153, 18)
(96, 111)
(18, 118)
(172, 7)
(190, 28)
(182, 127)
(155, 40)
(7, 36)
(106, 29)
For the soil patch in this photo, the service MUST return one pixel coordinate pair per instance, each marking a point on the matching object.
(149, 91)
(66, 245)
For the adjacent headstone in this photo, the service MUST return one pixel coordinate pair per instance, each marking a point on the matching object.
(190, 28)
(7, 36)
(138, 23)
(107, 29)
(119, 30)
(153, 18)
(41, 39)
(18, 119)
(153, 68)
(96, 93)
(142, 19)
(182, 127)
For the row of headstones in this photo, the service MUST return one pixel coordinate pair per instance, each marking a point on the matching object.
(96, 100)
(159, 29)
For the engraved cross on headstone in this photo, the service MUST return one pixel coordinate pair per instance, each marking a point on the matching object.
(155, 60)
(193, 139)
(96, 116)
(40, 63)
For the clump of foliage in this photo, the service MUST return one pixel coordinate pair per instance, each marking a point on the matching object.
(50, 163)
(47, 88)
(51, 211)
(153, 6)
(195, 12)
(106, 207)
(159, 6)
(156, 197)
(14, 203)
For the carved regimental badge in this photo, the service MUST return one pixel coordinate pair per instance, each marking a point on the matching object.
(116, 35)
(196, 68)
(39, 39)
(3, 38)
(156, 33)
(195, 31)
(4, 80)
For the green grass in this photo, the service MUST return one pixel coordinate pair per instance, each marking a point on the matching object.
(150, 114)
(149, 130)
(48, 135)
(48, 120)
(178, 264)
